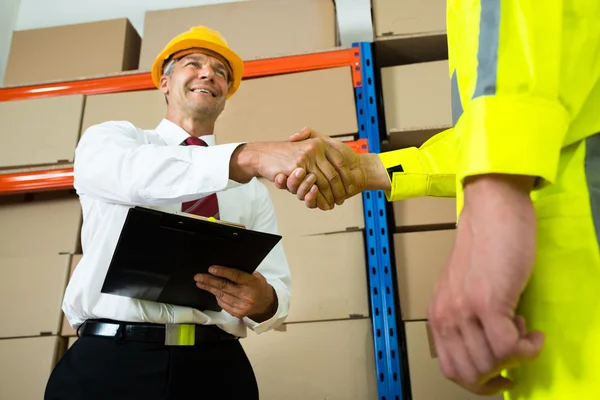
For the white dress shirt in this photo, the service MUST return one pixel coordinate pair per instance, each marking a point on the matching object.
(118, 166)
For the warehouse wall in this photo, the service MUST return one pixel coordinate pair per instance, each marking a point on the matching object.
(31, 14)
(354, 16)
(46, 13)
(8, 17)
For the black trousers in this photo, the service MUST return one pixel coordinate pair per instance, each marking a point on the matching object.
(99, 368)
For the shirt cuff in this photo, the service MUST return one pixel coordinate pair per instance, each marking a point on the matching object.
(279, 316)
(514, 135)
(218, 159)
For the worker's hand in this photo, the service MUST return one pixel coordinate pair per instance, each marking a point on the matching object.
(329, 173)
(473, 311)
(347, 164)
(239, 293)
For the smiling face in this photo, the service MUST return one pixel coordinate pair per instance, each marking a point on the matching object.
(196, 86)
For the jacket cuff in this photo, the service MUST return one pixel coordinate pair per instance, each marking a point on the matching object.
(407, 175)
(511, 135)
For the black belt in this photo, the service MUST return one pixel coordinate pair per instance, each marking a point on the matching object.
(168, 334)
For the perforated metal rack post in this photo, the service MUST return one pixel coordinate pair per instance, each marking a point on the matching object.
(387, 361)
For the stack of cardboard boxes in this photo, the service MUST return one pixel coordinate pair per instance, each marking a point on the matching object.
(325, 349)
(415, 87)
(38, 237)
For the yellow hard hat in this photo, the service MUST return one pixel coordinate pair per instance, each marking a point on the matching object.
(201, 37)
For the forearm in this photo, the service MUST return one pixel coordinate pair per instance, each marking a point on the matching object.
(500, 215)
(375, 173)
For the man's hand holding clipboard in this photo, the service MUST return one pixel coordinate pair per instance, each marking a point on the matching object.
(239, 293)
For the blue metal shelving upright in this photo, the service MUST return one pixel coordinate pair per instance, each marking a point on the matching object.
(387, 357)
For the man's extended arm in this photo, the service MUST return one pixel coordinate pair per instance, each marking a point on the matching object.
(406, 173)
(112, 163)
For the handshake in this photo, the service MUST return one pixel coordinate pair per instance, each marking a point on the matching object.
(319, 170)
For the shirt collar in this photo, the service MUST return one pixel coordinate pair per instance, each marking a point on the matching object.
(174, 135)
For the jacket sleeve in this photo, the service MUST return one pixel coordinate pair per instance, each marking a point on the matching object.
(507, 56)
(426, 171)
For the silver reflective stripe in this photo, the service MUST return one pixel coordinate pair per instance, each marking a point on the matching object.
(487, 53)
(592, 174)
(457, 108)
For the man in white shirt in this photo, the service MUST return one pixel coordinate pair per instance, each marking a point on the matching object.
(121, 352)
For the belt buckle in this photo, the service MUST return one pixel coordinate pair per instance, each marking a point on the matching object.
(180, 334)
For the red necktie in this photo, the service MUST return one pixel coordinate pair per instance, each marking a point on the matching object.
(207, 206)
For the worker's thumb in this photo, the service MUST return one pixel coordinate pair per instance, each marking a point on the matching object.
(306, 133)
(530, 345)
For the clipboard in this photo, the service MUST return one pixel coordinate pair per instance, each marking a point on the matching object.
(158, 253)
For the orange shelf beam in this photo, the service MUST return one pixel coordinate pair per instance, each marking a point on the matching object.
(36, 181)
(62, 179)
(142, 81)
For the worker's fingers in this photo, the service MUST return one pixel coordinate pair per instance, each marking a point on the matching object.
(325, 195)
(306, 133)
(477, 346)
(497, 384)
(507, 342)
(461, 360)
(334, 182)
(311, 197)
(294, 180)
(323, 203)
(280, 181)
(444, 360)
(521, 325)
(305, 186)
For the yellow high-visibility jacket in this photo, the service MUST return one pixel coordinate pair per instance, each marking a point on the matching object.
(526, 100)
(525, 85)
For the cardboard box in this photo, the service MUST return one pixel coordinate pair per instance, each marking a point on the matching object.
(144, 109)
(329, 276)
(264, 109)
(274, 108)
(407, 17)
(72, 52)
(71, 341)
(66, 329)
(48, 225)
(315, 360)
(424, 211)
(295, 219)
(254, 29)
(420, 256)
(39, 305)
(416, 97)
(26, 364)
(39, 131)
(426, 379)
